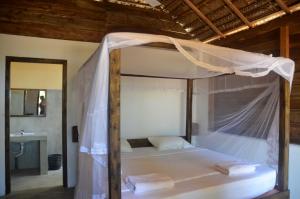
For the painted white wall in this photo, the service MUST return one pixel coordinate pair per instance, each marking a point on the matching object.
(294, 171)
(76, 53)
(152, 107)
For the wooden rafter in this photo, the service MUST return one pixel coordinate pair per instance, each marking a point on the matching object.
(283, 6)
(203, 17)
(238, 12)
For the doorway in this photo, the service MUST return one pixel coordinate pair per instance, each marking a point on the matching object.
(28, 100)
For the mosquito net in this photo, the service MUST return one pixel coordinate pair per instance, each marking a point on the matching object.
(238, 116)
(235, 101)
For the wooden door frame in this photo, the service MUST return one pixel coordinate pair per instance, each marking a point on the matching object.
(10, 59)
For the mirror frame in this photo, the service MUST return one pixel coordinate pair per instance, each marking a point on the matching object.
(24, 89)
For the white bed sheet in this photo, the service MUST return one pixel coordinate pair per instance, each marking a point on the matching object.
(194, 175)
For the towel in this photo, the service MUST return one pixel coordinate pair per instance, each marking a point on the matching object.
(148, 182)
(235, 168)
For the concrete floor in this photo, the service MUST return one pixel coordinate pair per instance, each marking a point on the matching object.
(43, 193)
(31, 179)
(30, 185)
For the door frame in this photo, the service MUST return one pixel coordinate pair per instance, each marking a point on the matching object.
(10, 59)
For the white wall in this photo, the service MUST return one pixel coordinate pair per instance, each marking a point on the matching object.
(152, 106)
(294, 171)
(76, 53)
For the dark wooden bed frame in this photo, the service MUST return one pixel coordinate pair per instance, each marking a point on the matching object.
(114, 171)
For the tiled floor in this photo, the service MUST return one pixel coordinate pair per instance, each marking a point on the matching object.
(43, 193)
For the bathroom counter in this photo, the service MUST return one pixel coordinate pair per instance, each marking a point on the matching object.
(27, 138)
(16, 138)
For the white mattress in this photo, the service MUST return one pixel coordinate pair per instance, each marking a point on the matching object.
(194, 175)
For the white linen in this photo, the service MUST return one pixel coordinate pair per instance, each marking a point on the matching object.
(235, 168)
(194, 175)
(125, 146)
(149, 182)
(169, 142)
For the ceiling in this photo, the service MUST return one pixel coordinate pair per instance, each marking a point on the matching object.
(91, 20)
(211, 19)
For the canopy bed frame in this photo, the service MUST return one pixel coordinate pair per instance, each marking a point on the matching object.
(114, 159)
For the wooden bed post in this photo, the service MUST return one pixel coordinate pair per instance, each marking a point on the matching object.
(284, 125)
(189, 110)
(114, 170)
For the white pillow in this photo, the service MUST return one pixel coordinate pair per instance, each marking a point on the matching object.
(169, 142)
(125, 146)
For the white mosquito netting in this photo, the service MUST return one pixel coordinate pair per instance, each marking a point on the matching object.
(232, 113)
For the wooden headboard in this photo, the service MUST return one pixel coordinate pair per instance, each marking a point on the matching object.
(142, 142)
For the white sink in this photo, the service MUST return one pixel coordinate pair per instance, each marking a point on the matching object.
(26, 137)
(21, 134)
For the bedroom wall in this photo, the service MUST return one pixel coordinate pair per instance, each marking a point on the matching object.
(152, 107)
(76, 53)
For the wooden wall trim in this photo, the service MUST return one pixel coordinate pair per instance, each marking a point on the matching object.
(277, 195)
(7, 127)
(284, 125)
(189, 110)
(114, 160)
(150, 76)
(64, 122)
(10, 59)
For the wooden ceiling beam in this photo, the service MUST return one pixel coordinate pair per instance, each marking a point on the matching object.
(203, 17)
(283, 6)
(238, 13)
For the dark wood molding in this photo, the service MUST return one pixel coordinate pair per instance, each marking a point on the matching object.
(64, 122)
(9, 60)
(284, 117)
(7, 127)
(150, 76)
(114, 159)
(189, 110)
(276, 195)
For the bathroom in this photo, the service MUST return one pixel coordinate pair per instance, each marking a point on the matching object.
(35, 124)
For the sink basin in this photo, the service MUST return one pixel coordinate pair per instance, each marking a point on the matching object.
(23, 134)
(26, 137)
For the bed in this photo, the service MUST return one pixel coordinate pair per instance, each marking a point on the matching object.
(194, 174)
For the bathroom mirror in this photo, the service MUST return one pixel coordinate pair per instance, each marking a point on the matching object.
(28, 103)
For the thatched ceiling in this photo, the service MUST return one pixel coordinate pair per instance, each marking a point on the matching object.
(204, 19)
(90, 20)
